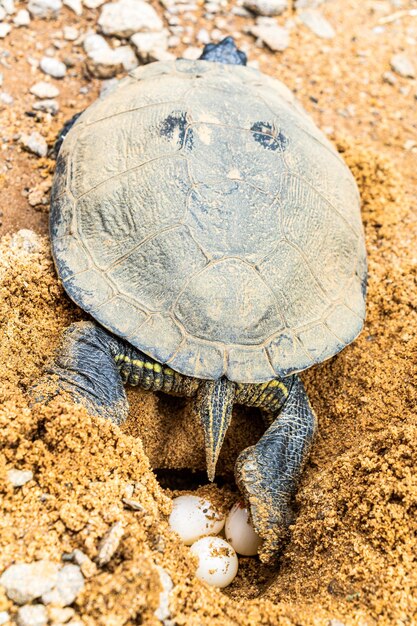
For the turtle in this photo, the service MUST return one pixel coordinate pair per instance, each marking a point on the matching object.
(213, 235)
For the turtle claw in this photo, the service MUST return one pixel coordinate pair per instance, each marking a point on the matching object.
(269, 508)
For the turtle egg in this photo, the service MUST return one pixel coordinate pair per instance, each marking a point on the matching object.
(217, 561)
(239, 531)
(193, 517)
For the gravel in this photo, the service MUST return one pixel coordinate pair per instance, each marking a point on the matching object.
(53, 67)
(163, 612)
(32, 615)
(317, 23)
(70, 33)
(24, 582)
(18, 478)
(44, 8)
(403, 66)
(267, 8)
(44, 90)
(93, 4)
(127, 17)
(4, 617)
(110, 543)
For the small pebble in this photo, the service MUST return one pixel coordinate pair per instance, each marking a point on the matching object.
(193, 517)
(151, 46)
(191, 53)
(218, 562)
(18, 478)
(390, 78)
(163, 612)
(70, 33)
(22, 18)
(70, 582)
(127, 17)
(110, 543)
(59, 615)
(93, 4)
(317, 23)
(24, 582)
(35, 143)
(4, 617)
(403, 66)
(32, 615)
(74, 5)
(240, 533)
(267, 8)
(275, 37)
(47, 106)
(6, 98)
(8, 6)
(44, 90)
(44, 8)
(53, 67)
(4, 30)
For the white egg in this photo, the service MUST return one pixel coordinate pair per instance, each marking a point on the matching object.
(193, 517)
(217, 561)
(239, 531)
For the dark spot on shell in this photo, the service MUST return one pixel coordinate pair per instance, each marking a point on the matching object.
(265, 134)
(177, 121)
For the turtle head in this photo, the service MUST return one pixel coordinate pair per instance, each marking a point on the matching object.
(214, 405)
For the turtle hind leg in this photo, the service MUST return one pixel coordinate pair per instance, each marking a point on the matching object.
(268, 472)
(224, 52)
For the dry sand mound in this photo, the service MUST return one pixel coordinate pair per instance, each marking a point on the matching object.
(353, 547)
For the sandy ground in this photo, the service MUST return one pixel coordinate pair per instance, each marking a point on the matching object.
(352, 552)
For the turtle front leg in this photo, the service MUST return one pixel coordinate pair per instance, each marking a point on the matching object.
(268, 472)
(91, 366)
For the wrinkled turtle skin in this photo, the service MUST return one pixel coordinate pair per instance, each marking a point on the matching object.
(214, 233)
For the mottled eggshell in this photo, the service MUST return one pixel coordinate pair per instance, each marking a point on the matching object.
(193, 517)
(218, 562)
(239, 531)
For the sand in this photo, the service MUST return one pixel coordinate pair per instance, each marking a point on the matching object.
(351, 553)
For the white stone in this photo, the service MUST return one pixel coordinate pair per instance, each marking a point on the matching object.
(403, 66)
(74, 5)
(44, 90)
(152, 46)
(44, 8)
(268, 8)
(93, 4)
(35, 143)
(32, 615)
(22, 18)
(191, 53)
(217, 561)
(193, 517)
(6, 98)
(163, 612)
(317, 23)
(8, 6)
(275, 37)
(70, 33)
(27, 242)
(24, 582)
(48, 106)
(127, 17)
(104, 62)
(239, 531)
(4, 30)
(2, 13)
(70, 582)
(59, 615)
(18, 478)
(53, 67)
(4, 617)
(93, 42)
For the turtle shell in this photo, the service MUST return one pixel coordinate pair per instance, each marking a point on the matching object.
(198, 213)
